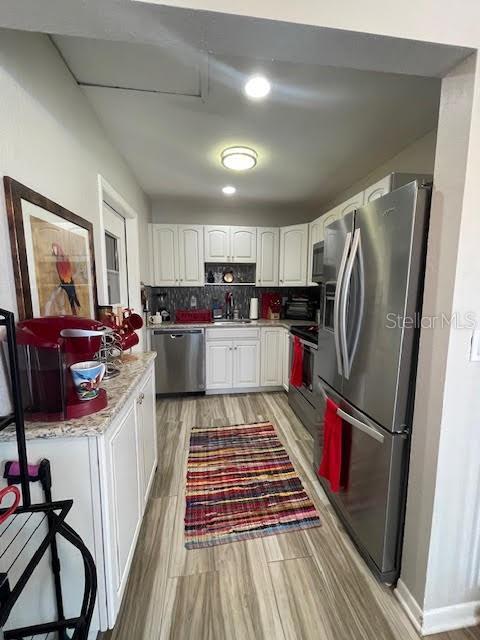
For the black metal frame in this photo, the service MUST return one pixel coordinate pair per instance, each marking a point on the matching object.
(55, 514)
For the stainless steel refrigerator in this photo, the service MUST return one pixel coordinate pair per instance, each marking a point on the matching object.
(366, 362)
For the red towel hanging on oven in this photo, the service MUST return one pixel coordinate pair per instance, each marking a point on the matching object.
(296, 373)
(331, 463)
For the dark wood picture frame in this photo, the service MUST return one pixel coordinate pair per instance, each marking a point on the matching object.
(15, 192)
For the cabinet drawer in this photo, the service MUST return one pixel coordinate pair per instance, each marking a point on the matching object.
(232, 333)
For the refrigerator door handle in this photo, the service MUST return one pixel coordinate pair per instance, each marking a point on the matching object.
(356, 250)
(361, 303)
(370, 431)
(336, 305)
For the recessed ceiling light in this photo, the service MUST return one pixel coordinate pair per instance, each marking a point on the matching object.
(229, 190)
(257, 87)
(239, 158)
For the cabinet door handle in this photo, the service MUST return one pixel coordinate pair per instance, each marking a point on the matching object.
(140, 398)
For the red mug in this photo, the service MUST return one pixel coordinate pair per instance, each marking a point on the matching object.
(129, 340)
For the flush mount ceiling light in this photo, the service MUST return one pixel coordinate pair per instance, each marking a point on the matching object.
(229, 190)
(257, 87)
(239, 158)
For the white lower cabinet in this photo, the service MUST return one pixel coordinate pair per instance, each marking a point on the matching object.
(219, 364)
(147, 432)
(129, 452)
(246, 363)
(286, 359)
(232, 359)
(272, 356)
(123, 464)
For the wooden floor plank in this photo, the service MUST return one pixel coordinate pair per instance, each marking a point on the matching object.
(193, 610)
(171, 447)
(247, 591)
(140, 616)
(286, 546)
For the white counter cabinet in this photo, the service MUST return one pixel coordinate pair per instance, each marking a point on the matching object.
(272, 339)
(127, 462)
(232, 360)
(106, 464)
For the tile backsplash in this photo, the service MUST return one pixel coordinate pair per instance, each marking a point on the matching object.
(207, 296)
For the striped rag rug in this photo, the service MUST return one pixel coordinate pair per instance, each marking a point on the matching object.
(241, 484)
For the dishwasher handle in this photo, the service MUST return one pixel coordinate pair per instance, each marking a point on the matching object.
(177, 334)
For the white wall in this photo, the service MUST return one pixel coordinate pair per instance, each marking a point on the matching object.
(51, 141)
(428, 21)
(418, 157)
(429, 545)
(229, 211)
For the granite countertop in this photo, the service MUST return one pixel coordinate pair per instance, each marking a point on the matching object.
(231, 324)
(119, 391)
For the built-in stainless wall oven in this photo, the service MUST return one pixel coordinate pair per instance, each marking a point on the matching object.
(317, 262)
(301, 398)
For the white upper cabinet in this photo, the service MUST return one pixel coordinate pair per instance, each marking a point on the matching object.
(293, 255)
(267, 256)
(190, 252)
(217, 243)
(378, 189)
(243, 241)
(230, 244)
(315, 234)
(163, 247)
(329, 217)
(355, 202)
(176, 255)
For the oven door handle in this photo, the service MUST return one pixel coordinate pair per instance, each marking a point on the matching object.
(309, 345)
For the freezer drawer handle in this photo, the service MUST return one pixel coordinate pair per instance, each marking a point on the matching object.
(175, 336)
(370, 431)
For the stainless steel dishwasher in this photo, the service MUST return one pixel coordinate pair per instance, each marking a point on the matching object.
(180, 361)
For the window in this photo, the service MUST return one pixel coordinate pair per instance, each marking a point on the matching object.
(113, 269)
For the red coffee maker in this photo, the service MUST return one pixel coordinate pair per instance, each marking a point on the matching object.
(45, 356)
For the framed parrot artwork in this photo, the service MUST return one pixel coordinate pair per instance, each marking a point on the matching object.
(53, 258)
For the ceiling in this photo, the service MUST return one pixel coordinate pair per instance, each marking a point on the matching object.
(167, 86)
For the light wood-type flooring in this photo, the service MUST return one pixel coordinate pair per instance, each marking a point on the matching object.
(304, 585)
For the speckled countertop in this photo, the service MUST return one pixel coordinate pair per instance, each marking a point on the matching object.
(119, 391)
(231, 324)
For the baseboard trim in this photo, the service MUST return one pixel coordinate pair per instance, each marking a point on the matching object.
(219, 392)
(410, 605)
(456, 616)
